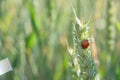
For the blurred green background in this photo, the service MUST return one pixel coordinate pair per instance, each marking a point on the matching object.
(33, 36)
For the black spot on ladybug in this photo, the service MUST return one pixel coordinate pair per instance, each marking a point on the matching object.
(85, 44)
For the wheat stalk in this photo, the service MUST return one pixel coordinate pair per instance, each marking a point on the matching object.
(110, 35)
(111, 18)
(81, 61)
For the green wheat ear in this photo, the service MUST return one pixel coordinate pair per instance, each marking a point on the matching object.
(81, 61)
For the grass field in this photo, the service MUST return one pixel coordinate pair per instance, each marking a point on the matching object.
(36, 34)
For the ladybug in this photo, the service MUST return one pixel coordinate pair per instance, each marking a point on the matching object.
(85, 44)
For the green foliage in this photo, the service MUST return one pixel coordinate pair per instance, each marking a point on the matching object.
(33, 36)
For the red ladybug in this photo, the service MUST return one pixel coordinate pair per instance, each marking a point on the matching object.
(85, 44)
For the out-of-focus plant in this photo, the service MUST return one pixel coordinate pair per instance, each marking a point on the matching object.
(110, 35)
